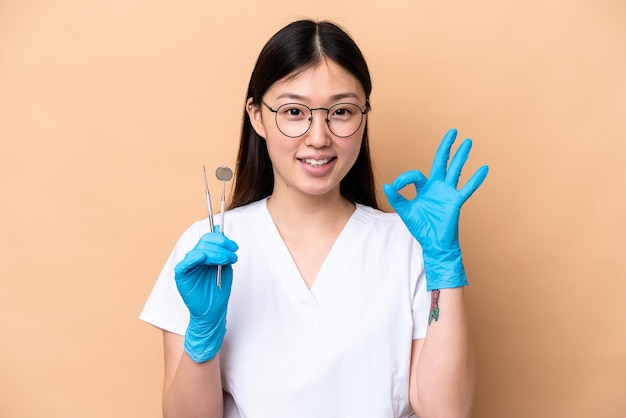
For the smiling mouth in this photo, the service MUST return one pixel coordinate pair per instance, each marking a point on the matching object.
(316, 163)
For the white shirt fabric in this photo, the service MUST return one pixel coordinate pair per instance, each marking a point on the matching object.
(339, 349)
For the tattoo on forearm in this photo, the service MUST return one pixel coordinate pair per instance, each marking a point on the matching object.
(434, 306)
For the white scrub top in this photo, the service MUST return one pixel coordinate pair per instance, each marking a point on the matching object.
(339, 349)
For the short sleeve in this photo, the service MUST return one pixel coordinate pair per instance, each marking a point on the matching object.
(165, 308)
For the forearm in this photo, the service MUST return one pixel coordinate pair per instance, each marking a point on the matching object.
(195, 390)
(445, 369)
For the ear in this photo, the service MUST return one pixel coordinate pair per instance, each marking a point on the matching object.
(256, 118)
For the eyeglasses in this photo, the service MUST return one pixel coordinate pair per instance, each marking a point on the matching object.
(295, 119)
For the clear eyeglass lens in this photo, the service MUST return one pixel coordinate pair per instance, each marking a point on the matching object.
(294, 119)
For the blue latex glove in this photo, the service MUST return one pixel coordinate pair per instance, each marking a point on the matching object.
(433, 215)
(196, 278)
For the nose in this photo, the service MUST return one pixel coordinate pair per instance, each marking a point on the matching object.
(319, 135)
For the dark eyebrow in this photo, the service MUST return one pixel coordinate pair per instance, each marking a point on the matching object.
(344, 96)
(333, 98)
(292, 96)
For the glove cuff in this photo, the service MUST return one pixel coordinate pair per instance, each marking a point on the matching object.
(444, 270)
(203, 341)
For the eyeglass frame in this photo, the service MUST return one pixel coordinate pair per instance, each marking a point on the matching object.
(327, 109)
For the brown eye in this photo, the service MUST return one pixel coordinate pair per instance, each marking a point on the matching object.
(293, 111)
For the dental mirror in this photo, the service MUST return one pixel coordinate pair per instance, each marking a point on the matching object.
(223, 174)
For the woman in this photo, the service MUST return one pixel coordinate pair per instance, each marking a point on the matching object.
(327, 300)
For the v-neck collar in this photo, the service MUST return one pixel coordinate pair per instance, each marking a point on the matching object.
(312, 303)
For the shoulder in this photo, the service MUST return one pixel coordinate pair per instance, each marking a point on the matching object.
(384, 227)
(248, 211)
(377, 213)
(239, 218)
(234, 216)
(378, 219)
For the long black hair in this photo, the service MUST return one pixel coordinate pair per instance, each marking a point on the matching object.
(293, 49)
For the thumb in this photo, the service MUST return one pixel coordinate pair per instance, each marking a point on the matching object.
(395, 199)
(192, 259)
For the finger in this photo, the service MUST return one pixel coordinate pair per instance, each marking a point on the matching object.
(191, 260)
(221, 257)
(457, 163)
(414, 177)
(438, 170)
(215, 238)
(395, 199)
(205, 254)
(474, 182)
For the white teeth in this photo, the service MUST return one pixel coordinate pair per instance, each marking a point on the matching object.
(317, 163)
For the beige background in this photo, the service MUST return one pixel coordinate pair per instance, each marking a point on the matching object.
(109, 108)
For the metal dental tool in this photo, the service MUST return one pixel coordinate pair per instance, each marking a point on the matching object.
(223, 174)
(210, 210)
(208, 199)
